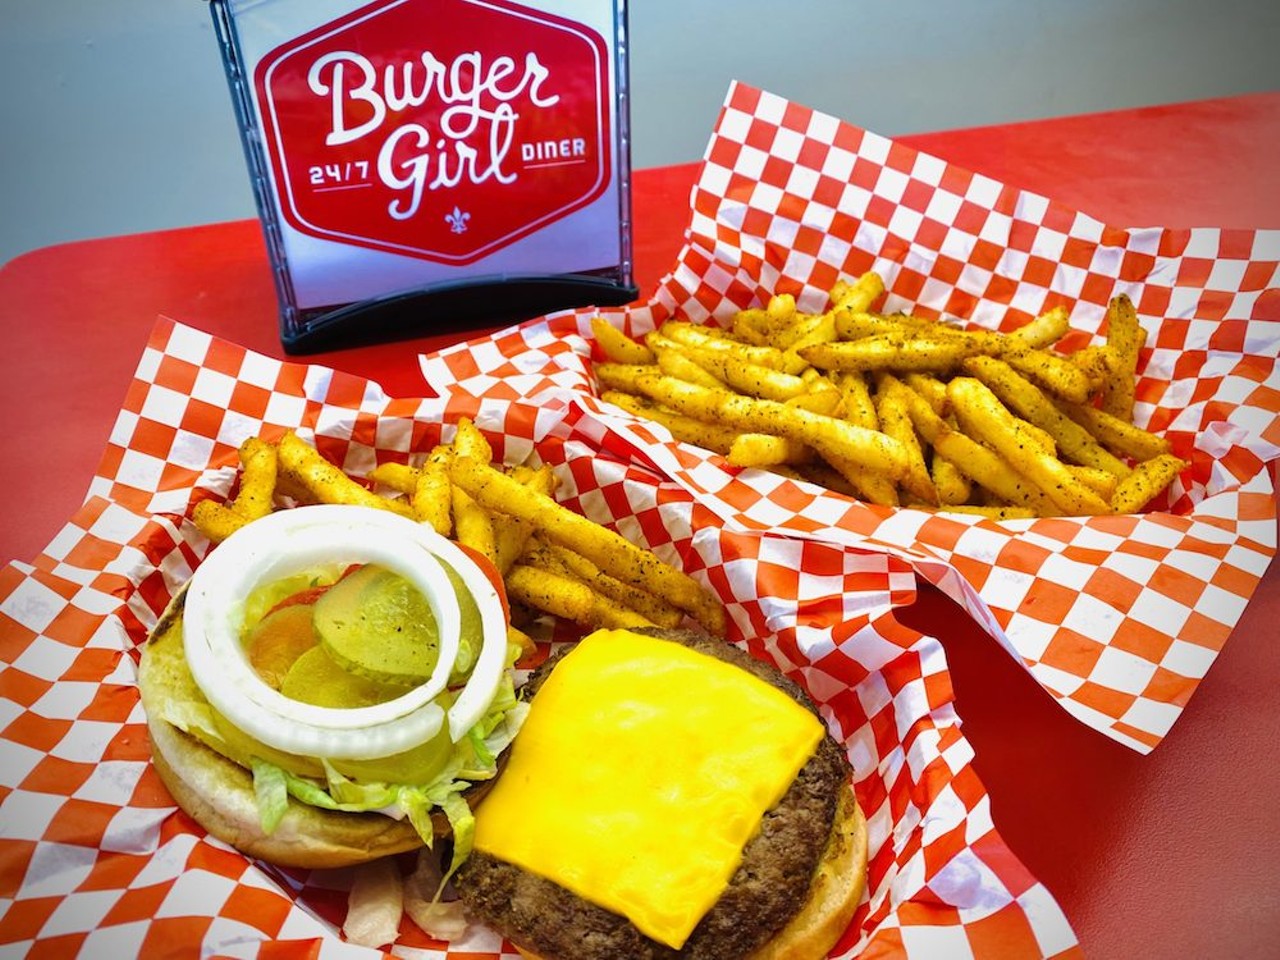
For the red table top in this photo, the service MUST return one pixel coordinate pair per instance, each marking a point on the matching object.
(1168, 855)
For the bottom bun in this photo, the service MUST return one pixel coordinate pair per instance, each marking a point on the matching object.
(834, 894)
(218, 793)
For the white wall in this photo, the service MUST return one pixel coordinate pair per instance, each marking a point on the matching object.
(116, 117)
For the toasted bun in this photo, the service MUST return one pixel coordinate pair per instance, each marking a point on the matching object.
(218, 793)
(834, 893)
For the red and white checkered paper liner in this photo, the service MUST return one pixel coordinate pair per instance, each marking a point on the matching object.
(95, 860)
(1119, 618)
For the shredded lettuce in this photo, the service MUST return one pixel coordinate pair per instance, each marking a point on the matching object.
(476, 736)
(463, 822)
(357, 795)
(271, 791)
(310, 792)
(192, 716)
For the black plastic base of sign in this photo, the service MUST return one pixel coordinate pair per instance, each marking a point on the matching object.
(454, 307)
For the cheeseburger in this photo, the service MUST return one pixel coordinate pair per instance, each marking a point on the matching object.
(668, 796)
(333, 685)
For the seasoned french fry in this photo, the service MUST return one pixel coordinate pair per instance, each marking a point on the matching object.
(1056, 374)
(929, 387)
(1101, 482)
(859, 408)
(766, 450)
(1045, 330)
(1025, 399)
(753, 379)
(883, 352)
(1039, 437)
(982, 465)
(856, 324)
(468, 441)
(398, 476)
(517, 637)
(993, 512)
(617, 346)
(328, 484)
(857, 297)
(891, 410)
(511, 534)
(819, 328)
(622, 376)
(1094, 360)
(1147, 479)
(804, 331)
(216, 521)
(797, 384)
(682, 366)
(432, 494)
(828, 403)
(686, 429)
(950, 481)
(1119, 436)
(696, 336)
(829, 436)
(608, 550)
(873, 487)
(259, 464)
(781, 308)
(982, 415)
(652, 608)
(988, 342)
(758, 380)
(472, 525)
(1125, 338)
(752, 326)
(568, 598)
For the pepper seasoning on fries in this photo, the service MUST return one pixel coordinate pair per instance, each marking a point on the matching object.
(901, 410)
(552, 560)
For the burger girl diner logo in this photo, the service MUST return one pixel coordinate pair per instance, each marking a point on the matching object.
(438, 129)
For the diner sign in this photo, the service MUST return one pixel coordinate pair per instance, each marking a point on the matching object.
(464, 154)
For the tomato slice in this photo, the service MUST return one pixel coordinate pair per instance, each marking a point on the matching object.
(279, 639)
(311, 594)
(490, 570)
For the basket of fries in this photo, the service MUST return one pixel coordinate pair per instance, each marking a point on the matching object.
(1064, 425)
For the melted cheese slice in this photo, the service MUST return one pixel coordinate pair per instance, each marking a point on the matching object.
(642, 770)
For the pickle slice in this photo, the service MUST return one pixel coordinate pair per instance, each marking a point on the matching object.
(376, 625)
(242, 748)
(317, 678)
(417, 765)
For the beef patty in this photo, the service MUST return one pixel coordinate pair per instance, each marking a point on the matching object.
(768, 889)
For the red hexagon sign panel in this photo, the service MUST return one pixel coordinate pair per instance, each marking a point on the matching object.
(444, 133)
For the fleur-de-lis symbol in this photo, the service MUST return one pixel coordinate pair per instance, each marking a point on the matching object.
(457, 220)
